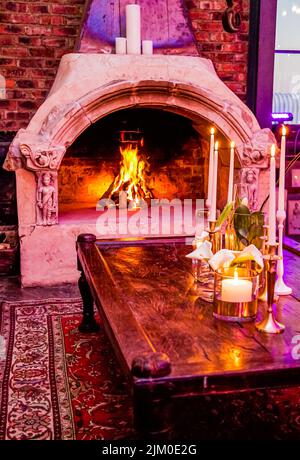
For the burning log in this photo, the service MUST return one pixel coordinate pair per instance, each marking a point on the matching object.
(134, 168)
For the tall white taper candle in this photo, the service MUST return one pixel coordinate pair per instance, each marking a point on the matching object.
(210, 167)
(281, 206)
(272, 198)
(213, 208)
(231, 172)
(133, 29)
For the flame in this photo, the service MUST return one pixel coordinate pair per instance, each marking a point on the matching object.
(131, 177)
(273, 150)
(283, 130)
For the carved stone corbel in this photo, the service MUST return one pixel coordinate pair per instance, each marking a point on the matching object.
(41, 157)
(256, 152)
(249, 178)
(46, 198)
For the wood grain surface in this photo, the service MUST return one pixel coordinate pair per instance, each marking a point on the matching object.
(147, 295)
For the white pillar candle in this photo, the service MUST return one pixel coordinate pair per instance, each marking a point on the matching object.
(133, 29)
(147, 47)
(281, 206)
(272, 198)
(210, 167)
(236, 290)
(213, 207)
(120, 45)
(231, 172)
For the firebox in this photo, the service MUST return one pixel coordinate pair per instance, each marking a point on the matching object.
(146, 153)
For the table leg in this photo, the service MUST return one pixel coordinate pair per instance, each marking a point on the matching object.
(88, 323)
(153, 418)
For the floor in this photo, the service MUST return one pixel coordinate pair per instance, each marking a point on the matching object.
(10, 290)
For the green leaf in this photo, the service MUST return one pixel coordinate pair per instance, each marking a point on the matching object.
(242, 209)
(225, 213)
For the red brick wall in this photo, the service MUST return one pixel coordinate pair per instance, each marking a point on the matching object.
(33, 37)
(35, 34)
(229, 52)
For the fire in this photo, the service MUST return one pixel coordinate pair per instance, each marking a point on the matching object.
(132, 175)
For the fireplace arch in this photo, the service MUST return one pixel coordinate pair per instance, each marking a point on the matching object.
(89, 87)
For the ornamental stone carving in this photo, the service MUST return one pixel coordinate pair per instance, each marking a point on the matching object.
(46, 198)
(249, 178)
(256, 153)
(41, 156)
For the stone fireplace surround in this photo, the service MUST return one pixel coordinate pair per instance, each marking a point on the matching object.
(87, 88)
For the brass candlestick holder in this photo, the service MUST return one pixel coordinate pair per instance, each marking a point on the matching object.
(263, 296)
(270, 325)
(230, 237)
(215, 236)
(264, 238)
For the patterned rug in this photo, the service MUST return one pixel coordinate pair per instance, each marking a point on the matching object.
(57, 383)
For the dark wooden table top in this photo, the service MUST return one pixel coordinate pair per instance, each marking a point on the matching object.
(149, 302)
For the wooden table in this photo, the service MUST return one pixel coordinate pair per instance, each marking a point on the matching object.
(164, 335)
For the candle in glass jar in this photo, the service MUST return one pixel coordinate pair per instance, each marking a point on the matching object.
(236, 290)
(210, 167)
(231, 171)
(133, 29)
(213, 207)
(281, 206)
(272, 198)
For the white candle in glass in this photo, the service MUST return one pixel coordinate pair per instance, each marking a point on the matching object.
(133, 29)
(147, 47)
(120, 45)
(213, 207)
(236, 290)
(272, 198)
(231, 172)
(210, 167)
(281, 206)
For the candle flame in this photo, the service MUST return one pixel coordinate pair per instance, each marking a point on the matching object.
(212, 131)
(232, 145)
(273, 150)
(283, 130)
(216, 145)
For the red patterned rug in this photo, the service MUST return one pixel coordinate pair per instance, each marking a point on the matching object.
(57, 383)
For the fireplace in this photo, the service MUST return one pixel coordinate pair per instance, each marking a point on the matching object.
(70, 152)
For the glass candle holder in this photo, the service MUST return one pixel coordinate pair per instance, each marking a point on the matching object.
(236, 294)
(204, 279)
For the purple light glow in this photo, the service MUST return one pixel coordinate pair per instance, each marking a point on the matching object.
(286, 116)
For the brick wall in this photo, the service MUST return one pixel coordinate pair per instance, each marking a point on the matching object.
(229, 52)
(35, 34)
(33, 37)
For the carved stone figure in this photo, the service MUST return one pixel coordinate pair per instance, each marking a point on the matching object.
(249, 177)
(47, 198)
